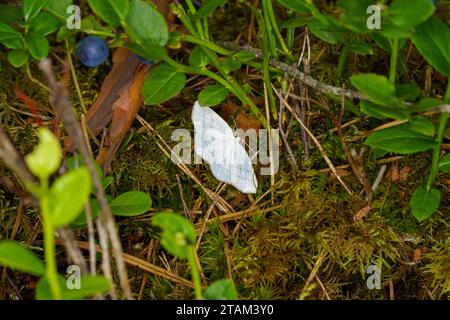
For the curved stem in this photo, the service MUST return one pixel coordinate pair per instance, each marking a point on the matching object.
(437, 149)
(195, 274)
(394, 60)
(49, 247)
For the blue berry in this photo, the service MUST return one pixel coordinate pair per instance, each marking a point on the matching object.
(145, 61)
(434, 1)
(92, 51)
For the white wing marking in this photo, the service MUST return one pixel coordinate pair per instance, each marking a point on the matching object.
(215, 143)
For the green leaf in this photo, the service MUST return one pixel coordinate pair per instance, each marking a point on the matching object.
(178, 235)
(323, 31)
(355, 14)
(45, 23)
(58, 8)
(105, 11)
(295, 22)
(377, 88)
(32, 7)
(295, 5)
(130, 204)
(207, 7)
(17, 257)
(431, 38)
(81, 221)
(121, 8)
(409, 13)
(46, 157)
(18, 58)
(89, 286)
(408, 92)
(381, 112)
(152, 52)
(10, 37)
(198, 58)
(231, 64)
(10, 14)
(244, 56)
(424, 202)
(212, 95)
(444, 163)
(162, 83)
(37, 44)
(146, 25)
(361, 47)
(423, 126)
(68, 195)
(426, 104)
(400, 139)
(221, 290)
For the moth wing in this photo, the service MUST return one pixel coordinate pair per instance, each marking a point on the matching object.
(209, 128)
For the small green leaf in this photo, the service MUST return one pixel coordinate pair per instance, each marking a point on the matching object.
(244, 56)
(382, 112)
(424, 202)
(38, 45)
(431, 39)
(221, 290)
(198, 58)
(377, 88)
(400, 139)
(121, 8)
(361, 47)
(323, 31)
(105, 11)
(426, 104)
(45, 24)
(46, 157)
(153, 52)
(10, 14)
(130, 204)
(409, 13)
(213, 95)
(444, 163)
(32, 7)
(178, 235)
(81, 221)
(162, 83)
(17, 257)
(295, 22)
(146, 25)
(58, 8)
(89, 286)
(231, 64)
(10, 37)
(18, 58)
(68, 195)
(207, 7)
(408, 92)
(423, 126)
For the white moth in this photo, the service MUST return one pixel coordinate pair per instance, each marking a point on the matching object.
(216, 144)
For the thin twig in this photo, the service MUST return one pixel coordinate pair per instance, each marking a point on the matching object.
(60, 101)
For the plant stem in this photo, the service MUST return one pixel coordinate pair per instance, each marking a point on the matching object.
(33, 79)
(49, 247)
(208, 44)
(74, 76)
(342, 62)
(394, 60)
(195, 274)
(437, 149)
